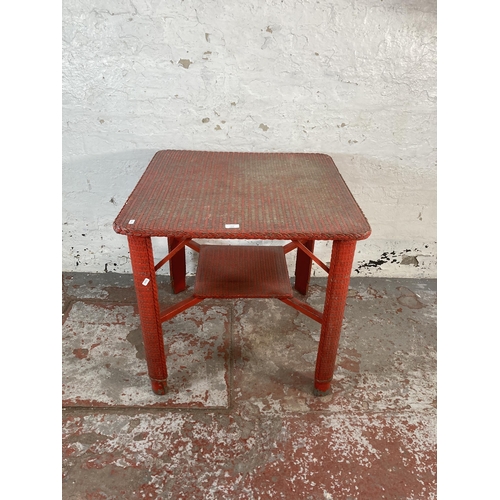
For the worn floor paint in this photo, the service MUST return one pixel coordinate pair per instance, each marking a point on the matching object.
(104, 362)
(240, 420)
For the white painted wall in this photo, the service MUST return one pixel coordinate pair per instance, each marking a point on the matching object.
(355, 79)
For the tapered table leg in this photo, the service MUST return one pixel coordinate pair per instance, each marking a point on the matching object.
(177, 266)
(333, 313)
(141, 255)
(303, 266)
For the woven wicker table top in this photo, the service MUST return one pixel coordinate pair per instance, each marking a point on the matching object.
(200, 194)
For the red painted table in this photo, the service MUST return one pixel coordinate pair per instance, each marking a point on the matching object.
(187, 195)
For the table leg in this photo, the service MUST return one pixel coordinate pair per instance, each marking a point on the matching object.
(177, 266)
(143, 267)
(303, 266)
(333, 313)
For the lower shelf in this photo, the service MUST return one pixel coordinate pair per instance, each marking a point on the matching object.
(242, 271)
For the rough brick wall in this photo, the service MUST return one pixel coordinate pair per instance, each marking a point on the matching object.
(354, 79)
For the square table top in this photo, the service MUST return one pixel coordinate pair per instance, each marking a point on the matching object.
(201, 194)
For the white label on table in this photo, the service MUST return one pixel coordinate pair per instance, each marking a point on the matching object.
(232, 226)
(131, 221)
(146, 281)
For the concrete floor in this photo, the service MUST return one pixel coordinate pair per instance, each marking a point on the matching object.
(240, 420)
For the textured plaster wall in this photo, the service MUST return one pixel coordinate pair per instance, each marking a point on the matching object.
(353, 79)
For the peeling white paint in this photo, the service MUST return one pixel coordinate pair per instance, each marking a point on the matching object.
(356, 81)
(167, 444)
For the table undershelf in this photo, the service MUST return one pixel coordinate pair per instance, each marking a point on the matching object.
(242, 271)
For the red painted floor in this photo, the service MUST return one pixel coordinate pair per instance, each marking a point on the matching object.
(240, 420)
